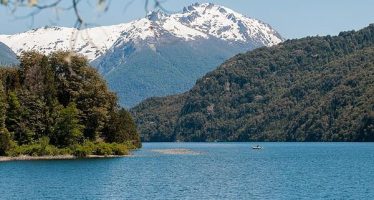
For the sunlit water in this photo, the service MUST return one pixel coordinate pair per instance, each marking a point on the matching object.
(202, 171)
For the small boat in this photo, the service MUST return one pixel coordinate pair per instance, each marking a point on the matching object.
(257, 147)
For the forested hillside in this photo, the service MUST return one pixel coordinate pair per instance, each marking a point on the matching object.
(58, 104)
(310, 89)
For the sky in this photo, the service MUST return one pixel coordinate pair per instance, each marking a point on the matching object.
(291, 18)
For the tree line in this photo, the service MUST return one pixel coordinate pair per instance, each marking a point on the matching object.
(58, 104)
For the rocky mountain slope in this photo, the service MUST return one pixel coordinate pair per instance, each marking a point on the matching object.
(7, 56)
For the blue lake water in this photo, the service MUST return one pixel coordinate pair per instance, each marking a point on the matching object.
(207, 171)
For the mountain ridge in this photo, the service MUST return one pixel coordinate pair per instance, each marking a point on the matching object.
(159, 55)
(192, 19)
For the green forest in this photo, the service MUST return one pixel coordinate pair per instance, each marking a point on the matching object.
(310, 89)
(57, 105)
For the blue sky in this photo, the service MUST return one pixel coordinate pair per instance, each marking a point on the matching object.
(292, 18)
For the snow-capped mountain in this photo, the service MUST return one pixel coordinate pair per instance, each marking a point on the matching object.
(196, 21)
(90, 42)
(138, 58)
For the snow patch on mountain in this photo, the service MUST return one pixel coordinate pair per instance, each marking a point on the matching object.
(226, 24)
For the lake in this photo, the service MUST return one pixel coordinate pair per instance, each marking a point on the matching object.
(201, 171)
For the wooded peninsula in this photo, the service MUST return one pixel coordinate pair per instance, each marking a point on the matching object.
(59, 105)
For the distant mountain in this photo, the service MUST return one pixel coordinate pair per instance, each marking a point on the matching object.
(158, 55)
(7, 56)
(310, 89)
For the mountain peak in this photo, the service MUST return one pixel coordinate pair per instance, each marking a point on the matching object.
(204, 7)
(156, 15)
(197, 21)
(226, 24)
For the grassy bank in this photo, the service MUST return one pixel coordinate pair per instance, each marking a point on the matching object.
(42, 148)
(57, 157)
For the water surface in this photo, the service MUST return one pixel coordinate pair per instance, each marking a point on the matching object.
(201, 171)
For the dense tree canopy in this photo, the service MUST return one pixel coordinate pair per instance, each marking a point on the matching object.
(311, 89)
(59, 100)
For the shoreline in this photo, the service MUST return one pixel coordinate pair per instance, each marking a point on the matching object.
(58, 157)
